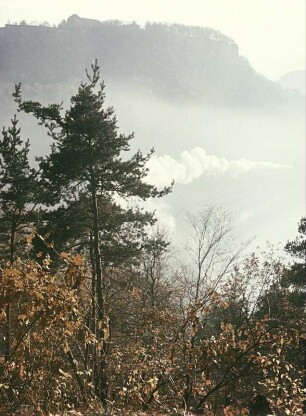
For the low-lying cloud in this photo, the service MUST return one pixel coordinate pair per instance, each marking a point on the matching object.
(195, 163)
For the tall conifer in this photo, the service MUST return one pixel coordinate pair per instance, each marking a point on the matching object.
(86, 165)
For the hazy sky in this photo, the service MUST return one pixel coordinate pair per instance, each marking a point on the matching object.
(270, 33)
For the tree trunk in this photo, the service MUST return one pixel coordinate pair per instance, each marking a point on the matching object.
(8, 333)
(102, 387)
(93, 326)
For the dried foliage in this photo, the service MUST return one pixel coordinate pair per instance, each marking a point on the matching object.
(210, 357)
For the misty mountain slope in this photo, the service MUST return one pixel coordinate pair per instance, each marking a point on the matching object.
(175, 62)
(294, 81)
(225, 134)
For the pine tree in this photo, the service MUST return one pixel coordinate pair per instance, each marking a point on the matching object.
(296, 278)
(18, 202)
(19, 195)
(86, 167)
(297, 249)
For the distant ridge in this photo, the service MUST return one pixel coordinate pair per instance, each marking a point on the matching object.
(176, 62)
(294, 81)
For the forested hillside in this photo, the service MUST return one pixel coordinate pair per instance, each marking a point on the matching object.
(175, 62)
(100, 314)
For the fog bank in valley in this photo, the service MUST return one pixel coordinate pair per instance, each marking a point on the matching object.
(224, 134)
